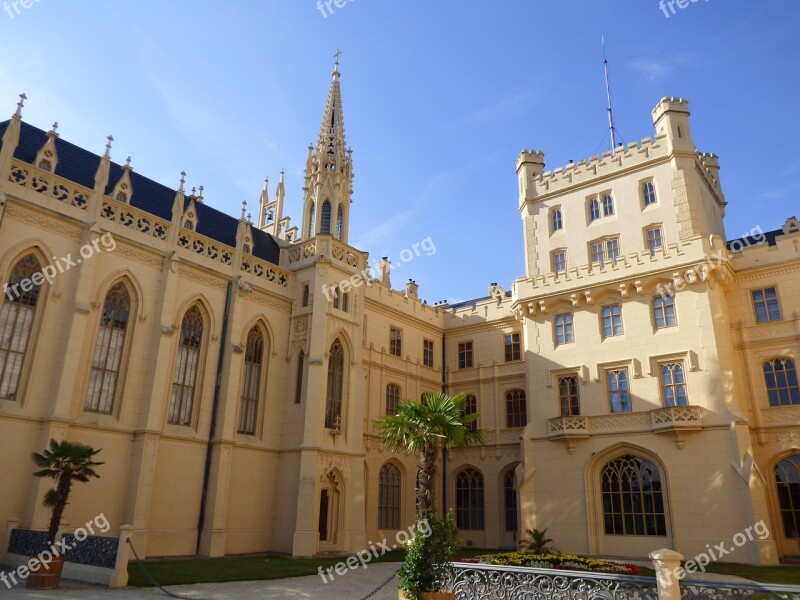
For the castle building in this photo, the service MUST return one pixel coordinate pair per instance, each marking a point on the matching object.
(637, 385)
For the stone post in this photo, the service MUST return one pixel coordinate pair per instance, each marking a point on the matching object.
(120, 576)
(668, 567)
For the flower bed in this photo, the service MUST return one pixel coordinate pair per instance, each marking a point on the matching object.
(557, 561)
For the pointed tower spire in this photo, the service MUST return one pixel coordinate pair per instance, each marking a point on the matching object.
(11, 136)
(328, 182)
(263, 201)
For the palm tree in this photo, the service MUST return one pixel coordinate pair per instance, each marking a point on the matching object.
(537, 541)
(66, 462)
(425, 429)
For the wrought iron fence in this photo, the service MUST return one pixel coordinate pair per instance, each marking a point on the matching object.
(471, 581)
(715, 590)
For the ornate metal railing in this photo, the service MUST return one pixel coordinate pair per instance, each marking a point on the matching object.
(27, 541)
(715, 590)
(94, 550)
(491, 582)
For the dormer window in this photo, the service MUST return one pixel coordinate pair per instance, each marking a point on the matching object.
(122, 197)
(46, 165)
(187, 224)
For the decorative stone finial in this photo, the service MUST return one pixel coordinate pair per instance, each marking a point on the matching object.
(249, 217)
(194, 191)
(20, 104)
(108, 146)
(183, 180)
(200, 197)
(54, 128)
(244, 208)
(128, 162)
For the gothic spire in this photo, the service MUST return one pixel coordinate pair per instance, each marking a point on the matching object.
(331, 139)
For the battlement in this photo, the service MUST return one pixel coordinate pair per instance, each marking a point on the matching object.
(599, 166)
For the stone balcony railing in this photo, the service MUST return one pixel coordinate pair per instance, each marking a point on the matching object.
(674, 419)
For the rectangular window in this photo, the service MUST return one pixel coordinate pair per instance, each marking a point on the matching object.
(395, 341)
(654, 240)
(765, 304)
(619, 396)
(427, 353)
(563, 329)
(568, 396)
(335, 291)
(516, 410)
(608, 205)
(513, 349)
(649, 193)
(556, 219)
(603, 250)
(345, 301)
(594, 209)
(559, 261)
(664, 311)
(612, 320)
(305, 294)
(465, 355)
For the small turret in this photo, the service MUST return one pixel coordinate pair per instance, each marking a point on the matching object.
(671, 118)
(530, 165)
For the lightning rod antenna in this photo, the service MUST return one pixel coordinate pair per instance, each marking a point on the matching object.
(610, 109)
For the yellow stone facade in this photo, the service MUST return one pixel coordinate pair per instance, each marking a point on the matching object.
(237, 393)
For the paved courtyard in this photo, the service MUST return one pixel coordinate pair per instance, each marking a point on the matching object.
(354, 585)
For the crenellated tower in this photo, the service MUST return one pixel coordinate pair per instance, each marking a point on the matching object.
(328, 181)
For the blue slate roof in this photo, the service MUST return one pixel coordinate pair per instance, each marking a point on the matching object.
(79, 166)
(749, 240)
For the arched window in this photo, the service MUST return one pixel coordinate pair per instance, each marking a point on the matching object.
(389, 497)
(673, 383)
(649, 193)
(108, 351)
(325, 224)
(509, 501)
(469, 500)
(333, 402)
(471, 407)
(184, 380)
(392, 398)
(594, 209)
(619, 395)
(251, 381)
(516, 411)
(608, 205)
(298, 384)
(633, 502)
(781, 379)
(312, 220)
(339, 222)
(787, 478)
(556, 219)
(568, 396)
(16, 322)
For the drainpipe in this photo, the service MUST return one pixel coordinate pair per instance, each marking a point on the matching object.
(213, 428)
(444, 450)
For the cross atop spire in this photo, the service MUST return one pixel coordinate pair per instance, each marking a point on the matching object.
(54, 128)
(244, 209)
(336, 64)
(21, 103)
(108, 145)
(183, 180)
(128, 162)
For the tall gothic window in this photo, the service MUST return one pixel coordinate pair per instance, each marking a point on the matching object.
(16, 322)
(673, 384)
(619, 396)
(470, 408)
(389, 497)
(509, 501)
(108, 351)
(325, 223)
(781, 379)
(298, 384)
(312, 220)
(339, 222)
(568, 396)
(516, 412)
(333, 402)
(251, 382)
(787, 478)
(469, 500)
(184, 380)
(392, 398)
(633, 502)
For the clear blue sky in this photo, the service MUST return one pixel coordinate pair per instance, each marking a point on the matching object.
(439, 98)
